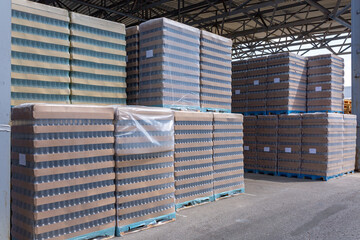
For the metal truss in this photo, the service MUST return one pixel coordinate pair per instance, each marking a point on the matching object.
(256, 27)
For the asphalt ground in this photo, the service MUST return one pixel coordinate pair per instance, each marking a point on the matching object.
(271, 208)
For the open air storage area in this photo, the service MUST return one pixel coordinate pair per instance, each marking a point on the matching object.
(124, 116)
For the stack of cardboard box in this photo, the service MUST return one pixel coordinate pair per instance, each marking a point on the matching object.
(239, 86)
(215, 65)
(132, 66)
(289, 144)
(144, 148)
(322, 144)
(257, 85)
(349, 144)
(193, 157)
(228, 154)
(266, 143)
(62, 172)
(286, 83)
(169, 64)
(250, 156)
(40, 58)
(325, 84)
(98, 66)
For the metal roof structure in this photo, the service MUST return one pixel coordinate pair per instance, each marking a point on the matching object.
(257, 27)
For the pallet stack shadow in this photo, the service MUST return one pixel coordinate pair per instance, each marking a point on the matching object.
(40, 59)
(228, 158)
(98, 66)
(256, 85)
(325, 90)
(250, 147)
(63, 176)
(289, 144)
(239, 87)
(286, 84)
(169, 65)
(215, 72)
(322, 145)
(193, 158)
(266, 143)
(144, 148)
(132, 66)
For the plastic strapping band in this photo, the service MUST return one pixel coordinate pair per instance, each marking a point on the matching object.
(4, 128)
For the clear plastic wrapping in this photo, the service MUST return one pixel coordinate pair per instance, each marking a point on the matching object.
(193, 156)
(228, 153)
(169, 64)
(40, 58)
(144, 146)
(215, 72)
(350, 129)
(62, 165)
(98, 66)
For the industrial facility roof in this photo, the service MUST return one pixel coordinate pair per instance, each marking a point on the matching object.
(257, 27)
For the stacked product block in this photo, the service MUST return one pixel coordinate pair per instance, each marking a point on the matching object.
(144, 146)
(286, 84)
(215, 73)
(250, 156)
(228, 154)
(63, 179)
(257, 85)
(322, 145)
(98, 66)
(40, 59)
(266, 143)
(132, 67)
(239, 86)
(325, 84)
(169, 65)
(289, 144)
(193, 158)
(349, 143)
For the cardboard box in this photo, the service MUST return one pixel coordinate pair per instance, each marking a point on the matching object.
(62, 171)
(164, 79)
(39, 74)
(98, 61)
(144, 146)
(228, 152)
(193, 156)
(250, 152)
(349, 144)
(132, 66)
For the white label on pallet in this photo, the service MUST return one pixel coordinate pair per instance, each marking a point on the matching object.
(256, 82)
(276, 80)
(266, 149)
(22, 159)
(149, 53)
(312, 150)
(288, 150)
(237, 91)
(318, 89)
(246, 148)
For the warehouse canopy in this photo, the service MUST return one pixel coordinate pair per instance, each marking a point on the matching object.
(257, 27)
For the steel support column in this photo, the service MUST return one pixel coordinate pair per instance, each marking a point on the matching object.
(355, 65)
(5, 76)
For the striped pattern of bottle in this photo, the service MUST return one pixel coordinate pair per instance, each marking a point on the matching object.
(132, 66)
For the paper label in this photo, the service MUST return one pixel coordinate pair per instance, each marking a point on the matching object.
(288, 150)
(256, 82)
(312, 150)
(246, 148)
(318, 89)
(149, 53)
(237, 91)
(266, 149)
(22, 159)
(276, 80)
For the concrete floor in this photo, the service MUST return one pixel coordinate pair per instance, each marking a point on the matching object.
(272, 208)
